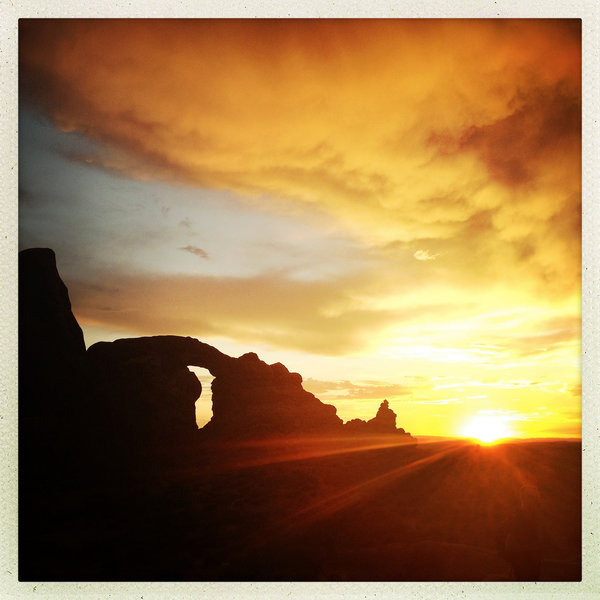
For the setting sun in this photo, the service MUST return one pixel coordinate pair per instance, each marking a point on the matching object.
(486, 428)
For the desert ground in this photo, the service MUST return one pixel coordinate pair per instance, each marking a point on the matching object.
(316, 509)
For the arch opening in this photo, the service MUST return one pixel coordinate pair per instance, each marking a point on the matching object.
(204, 403)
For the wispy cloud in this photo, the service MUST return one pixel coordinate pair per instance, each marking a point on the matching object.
(195, 250)
(442, 401)
(424, 255)
(513, 415)
(356, 390)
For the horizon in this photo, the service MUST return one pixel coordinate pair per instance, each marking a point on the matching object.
(361, 201)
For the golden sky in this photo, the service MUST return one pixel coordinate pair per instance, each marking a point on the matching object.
(390, 207)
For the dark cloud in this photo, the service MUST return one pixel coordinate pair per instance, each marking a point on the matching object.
(67, 104)
(195, 250)
(546, 124)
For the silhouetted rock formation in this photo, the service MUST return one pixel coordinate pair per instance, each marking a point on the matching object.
(385, 419)
(384, 422)
(51, 346)
(53, 400)
(147, 382)
(100, 429)
(255, 399)
(47, 326)
(147, 387)
(53, 376)
(146, 392)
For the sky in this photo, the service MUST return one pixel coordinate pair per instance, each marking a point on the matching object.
(391, 208)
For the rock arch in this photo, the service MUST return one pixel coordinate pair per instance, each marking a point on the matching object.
(250, 397)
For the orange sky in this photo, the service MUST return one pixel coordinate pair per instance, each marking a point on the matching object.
(390, 207)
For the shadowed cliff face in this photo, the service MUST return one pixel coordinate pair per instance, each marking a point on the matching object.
(55, 433)
(47, 329)
(53, 376)
(51, 346)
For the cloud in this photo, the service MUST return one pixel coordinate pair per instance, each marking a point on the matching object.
(316, 317)
(442, 401)
(513, 415)
(543, 343)
(277, 111)
(406, 318)
(195, 250)
(503, 384)
(515, 147)
(544, 127)
(340, 315)
(565, 429)
(360, 390)
(424, 255)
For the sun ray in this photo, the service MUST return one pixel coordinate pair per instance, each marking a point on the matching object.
(329, 505)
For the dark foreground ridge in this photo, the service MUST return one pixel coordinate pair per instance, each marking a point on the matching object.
(116, 482)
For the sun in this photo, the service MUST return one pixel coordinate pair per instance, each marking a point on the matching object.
(486, 428)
